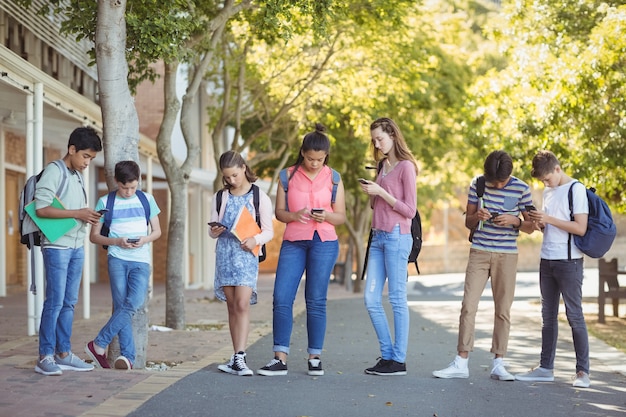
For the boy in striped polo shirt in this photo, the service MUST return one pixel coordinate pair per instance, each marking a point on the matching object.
(128, 261)
(496, 219)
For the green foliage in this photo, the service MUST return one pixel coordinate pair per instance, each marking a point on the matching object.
(563, 89)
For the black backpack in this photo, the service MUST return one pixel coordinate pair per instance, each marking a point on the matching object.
(416, 233)
(257, 215)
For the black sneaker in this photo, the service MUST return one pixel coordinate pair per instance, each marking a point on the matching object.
(315, 367)
(239, 366)
(273, 368)
(380, 364)
(392, 368)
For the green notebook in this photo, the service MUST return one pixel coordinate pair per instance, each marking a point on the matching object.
(51, 227)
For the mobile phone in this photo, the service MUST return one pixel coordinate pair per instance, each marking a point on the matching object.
(363, 181)
(216, 224)
(531, 208)
(132, 240)
(317, 211)
(102, 211)
(494, 214)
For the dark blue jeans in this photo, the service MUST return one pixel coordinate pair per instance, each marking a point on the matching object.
(556, 278)
(318, 259)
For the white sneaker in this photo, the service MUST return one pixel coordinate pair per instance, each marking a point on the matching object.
(456, 369)
(581, 380)
(228, 366)
(499, 371)
(537, 374)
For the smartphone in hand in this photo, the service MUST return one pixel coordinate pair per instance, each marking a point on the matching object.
(530, 208)
(317, 211)
(133, 240)
(216, 224)
(494, 214)
(363, 181)
(104, 210)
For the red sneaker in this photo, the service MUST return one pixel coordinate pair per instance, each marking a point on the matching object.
(98, 360)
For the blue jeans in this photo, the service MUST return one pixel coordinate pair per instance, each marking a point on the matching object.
(63, 270)
(129, 288)
(388, 260)
(556, 278)
(318, 259)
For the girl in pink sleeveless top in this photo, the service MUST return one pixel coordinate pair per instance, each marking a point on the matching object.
(309, 244)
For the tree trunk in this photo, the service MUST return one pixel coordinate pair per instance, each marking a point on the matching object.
(174, 296)
(120, 125)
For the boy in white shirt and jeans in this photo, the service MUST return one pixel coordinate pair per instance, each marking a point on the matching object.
(561, 268)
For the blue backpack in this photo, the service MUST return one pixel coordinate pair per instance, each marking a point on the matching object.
(108, 216)
(601, 230)
(284, 177)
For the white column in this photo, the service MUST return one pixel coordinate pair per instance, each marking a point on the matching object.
(34, 164)
(4, 222)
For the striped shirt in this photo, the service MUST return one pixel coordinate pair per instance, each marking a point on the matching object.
(511, 199)
(129, 220)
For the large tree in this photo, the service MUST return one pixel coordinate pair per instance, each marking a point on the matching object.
(563, 88)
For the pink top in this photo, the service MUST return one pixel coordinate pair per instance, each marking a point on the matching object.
(400, 183)
(306, 193)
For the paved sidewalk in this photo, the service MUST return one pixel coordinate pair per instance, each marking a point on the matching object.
(351, 346)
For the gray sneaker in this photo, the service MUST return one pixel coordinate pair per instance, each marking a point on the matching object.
(73, 363)
(581, 380)
(537, 374)
(47, 366)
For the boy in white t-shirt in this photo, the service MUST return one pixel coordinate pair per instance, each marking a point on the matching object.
(561, 268)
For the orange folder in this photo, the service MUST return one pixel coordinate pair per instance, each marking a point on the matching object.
(245, 226)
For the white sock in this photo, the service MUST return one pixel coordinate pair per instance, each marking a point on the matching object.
(461, 362)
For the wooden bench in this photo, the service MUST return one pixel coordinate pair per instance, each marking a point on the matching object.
(609, 286)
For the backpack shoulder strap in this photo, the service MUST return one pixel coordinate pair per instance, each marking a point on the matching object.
(480, 186)
(218, 200)
(146, 205)
(108, 216)
(283, 175)
(336, 178)
(63, 168)
(570, 199)
(255, 202)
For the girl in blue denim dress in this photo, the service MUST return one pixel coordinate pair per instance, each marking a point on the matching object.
(236, 266)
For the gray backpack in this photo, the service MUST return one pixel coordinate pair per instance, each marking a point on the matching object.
(29, 232)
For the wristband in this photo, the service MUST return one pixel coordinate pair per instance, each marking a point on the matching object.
(519, 225)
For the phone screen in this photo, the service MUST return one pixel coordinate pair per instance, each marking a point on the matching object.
(317, 210)
(531, 208)
(363, 181)
(103, 211)
(133, 239)
(216, 224)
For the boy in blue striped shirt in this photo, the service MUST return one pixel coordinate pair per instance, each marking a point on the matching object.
(496, 219)
(128, 262)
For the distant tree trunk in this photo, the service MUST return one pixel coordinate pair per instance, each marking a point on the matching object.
(177, 182)
(121, 126)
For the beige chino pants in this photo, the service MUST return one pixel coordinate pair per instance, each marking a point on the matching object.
(502, 269)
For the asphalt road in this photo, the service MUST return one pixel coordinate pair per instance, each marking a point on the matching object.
(351, 346)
